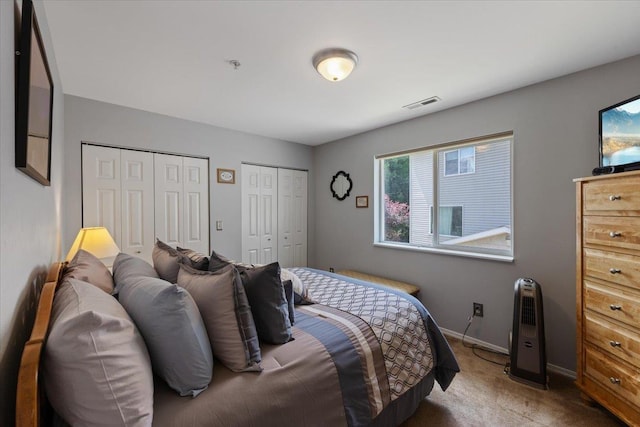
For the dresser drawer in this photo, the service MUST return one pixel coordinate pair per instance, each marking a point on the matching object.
(613, 339)
(613, 375)
(611, 196)
(619, 305)
(613, 267)
(616, 232)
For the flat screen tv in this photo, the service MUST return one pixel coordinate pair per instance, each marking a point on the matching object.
(620, 135)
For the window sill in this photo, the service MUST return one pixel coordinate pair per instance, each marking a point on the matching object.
(492, 257)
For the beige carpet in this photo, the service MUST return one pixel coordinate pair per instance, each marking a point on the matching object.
(482, 395)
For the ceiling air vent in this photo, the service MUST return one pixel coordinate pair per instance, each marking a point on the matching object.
(422, 103)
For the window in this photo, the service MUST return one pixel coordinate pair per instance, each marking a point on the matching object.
(467, 184)
(460, 161)
(450, 221)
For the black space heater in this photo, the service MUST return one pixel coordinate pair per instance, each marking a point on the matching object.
(527, 343)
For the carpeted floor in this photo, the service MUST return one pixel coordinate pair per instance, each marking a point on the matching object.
(482, 395)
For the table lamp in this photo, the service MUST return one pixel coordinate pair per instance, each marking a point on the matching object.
(97, 241)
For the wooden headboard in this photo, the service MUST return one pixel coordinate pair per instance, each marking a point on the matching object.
(28, 393)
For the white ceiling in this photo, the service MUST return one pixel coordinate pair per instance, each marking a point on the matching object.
(169, 57)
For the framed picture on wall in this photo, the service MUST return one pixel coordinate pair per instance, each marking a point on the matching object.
(362, 201)
(34, 100)
(226, 176)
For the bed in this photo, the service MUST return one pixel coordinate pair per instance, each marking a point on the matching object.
(360, 355)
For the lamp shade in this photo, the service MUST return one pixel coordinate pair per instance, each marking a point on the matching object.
(335, 64)
(97, 241)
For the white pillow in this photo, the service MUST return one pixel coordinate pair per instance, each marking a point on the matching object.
(298, 287)
(96, 366)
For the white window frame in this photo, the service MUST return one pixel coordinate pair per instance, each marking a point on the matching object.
(481, 253)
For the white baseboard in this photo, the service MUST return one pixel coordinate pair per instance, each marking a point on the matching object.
(553, 368)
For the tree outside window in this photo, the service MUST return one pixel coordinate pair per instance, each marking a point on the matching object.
(396, 199)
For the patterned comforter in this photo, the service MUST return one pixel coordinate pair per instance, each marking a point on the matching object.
(405, 334)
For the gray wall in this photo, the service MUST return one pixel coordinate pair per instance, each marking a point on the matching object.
(30, 215)
(99, 122)
(555, 125)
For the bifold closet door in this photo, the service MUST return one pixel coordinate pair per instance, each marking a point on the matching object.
(137, 203)
(117, 193)
(101, 189)
(196, 204)
(138, 196)
(292, 218)
(169, 206)
(259, 214)
(182, 201)
(299, 214)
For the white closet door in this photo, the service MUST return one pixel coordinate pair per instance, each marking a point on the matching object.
(259, 214)
(169, 205)
(250, 213)
(299, 215)
(137, 203)
(268, 215)
(101, 194)
(196, 204)
(285, 217)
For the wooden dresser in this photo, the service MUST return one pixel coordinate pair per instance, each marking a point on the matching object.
(608, 292)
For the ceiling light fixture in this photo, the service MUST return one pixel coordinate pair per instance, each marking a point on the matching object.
(335, 64)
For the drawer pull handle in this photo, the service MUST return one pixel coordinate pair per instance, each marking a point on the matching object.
(614, 234)
(615, 271)
(615, 344)
(615, 307)
(614, 197)
(138, 252)
(614, 380)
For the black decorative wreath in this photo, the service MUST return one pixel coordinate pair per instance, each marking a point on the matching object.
(348, 189)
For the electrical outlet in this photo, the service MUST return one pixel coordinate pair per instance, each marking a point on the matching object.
(478, 309)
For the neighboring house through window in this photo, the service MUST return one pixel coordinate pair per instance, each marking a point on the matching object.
(450, 221)
(468, 185)
(460, 161)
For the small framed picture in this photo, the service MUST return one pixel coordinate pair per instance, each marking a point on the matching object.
(362, 201)
(226, 176)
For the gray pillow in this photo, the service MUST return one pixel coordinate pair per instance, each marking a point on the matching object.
(127, 267)
(96, 368)
(268, 302)
(166, 261)
(227, 316)
(172, 328)
(198, 261)
(217, 261)
(87, 267)
(288, 292)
